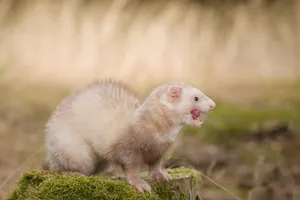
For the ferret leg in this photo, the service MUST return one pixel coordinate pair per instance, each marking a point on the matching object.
(102, 165)
(133, 178)
(156, 173)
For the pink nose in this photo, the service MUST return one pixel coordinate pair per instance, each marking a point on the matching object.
(212, 106)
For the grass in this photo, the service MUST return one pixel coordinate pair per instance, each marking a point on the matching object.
(231, 122)
(25, 109)
(74, 42)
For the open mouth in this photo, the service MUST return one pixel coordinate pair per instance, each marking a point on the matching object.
(195, 115)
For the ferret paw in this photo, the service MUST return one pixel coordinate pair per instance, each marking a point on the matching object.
(160, 176)
(141, 186)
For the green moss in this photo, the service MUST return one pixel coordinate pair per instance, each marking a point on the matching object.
(51, 185)
(179, 173)
(185, 172)
(228, 123)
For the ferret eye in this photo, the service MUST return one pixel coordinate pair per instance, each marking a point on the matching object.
(196, 98)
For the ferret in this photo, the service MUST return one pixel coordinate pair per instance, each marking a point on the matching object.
(107, 122)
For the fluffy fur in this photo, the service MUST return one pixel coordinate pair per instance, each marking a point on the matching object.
(106, 122)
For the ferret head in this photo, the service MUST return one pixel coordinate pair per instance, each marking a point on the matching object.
(188, 101)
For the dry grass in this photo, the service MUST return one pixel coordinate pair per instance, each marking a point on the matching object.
(72, 42)
(23, 113)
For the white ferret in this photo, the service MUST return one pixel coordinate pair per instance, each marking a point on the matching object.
(106, 122)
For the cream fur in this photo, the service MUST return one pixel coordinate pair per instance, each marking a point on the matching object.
(106, 122)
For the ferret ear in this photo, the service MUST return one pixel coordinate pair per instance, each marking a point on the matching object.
(174, 93)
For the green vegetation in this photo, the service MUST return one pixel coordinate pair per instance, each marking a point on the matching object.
(50, 185)
(230, 122)
(233, 122)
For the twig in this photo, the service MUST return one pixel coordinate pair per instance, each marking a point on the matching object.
(19, 167)
(211, 167)
(220, 186)
(200, 197)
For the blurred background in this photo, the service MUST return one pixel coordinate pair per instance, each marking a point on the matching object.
(242, 53)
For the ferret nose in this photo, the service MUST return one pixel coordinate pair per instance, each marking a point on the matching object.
(212, 106)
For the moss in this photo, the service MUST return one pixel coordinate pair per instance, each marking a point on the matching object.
(52, 185)
(188, 172)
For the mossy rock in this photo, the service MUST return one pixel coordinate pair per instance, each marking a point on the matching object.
(52, 185)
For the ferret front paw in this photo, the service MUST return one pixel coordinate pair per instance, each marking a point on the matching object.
(160, 176)
(141, 186)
